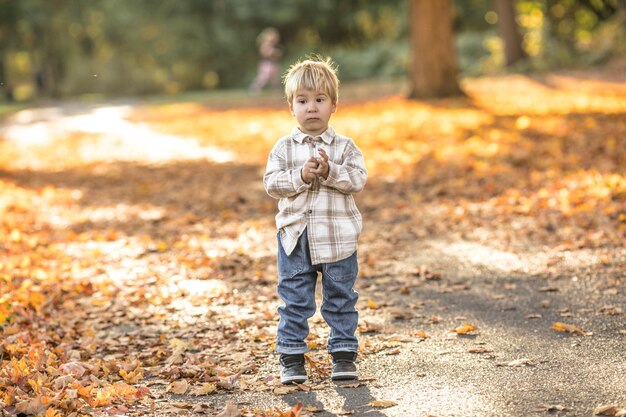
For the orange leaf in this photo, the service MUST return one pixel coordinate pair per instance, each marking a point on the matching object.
(316, 366)
(52, 412)
(294, 412)
(562, 327)
(422, 334)
(82, 391)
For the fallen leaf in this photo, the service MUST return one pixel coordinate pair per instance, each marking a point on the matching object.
(73, 368)
(383, 403)
(609, 410)
(368, 326)
(480, 349)
(294, 412)
(178, 387)
(285, 390)
(548, 289)
(356, 385)
(549, 408)
(516, 363)
(230, 410)
(204, 389)
(401, 313)
(465, 328)
(316, 366)
(313, 409)
(562, 327)
(33, 406)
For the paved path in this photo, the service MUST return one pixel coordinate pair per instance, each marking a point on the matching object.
(521, 367)
(514, 365)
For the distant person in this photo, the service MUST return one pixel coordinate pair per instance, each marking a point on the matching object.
(268, 71)
(40, 81)
(314, 172)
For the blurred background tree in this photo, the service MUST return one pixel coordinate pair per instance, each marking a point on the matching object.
(60, 48)
(434, 68)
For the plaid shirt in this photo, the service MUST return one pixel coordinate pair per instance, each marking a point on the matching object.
(325, 207)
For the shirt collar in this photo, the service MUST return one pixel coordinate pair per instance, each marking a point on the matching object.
(327, 136)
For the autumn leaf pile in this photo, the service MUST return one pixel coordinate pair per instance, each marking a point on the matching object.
(120, 279)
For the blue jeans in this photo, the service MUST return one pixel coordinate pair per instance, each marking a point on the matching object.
(296, 287)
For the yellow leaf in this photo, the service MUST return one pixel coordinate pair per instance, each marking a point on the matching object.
(562, 327)
(4, 313)
(132, 377)
(465, 328)
(383, 403)
(372, 304)
(204, 389)
(103, 397)
(422, 334)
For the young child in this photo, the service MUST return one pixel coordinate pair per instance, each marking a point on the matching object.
(313, 172)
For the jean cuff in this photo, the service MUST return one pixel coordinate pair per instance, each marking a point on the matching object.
(343, 348)
(291, 348)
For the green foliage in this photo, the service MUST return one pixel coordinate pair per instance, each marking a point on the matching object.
(119, 47)
(382, 59)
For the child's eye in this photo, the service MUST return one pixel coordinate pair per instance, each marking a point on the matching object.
(301, 101)
(320, 99)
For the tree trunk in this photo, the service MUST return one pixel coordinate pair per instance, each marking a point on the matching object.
(508, 31)
(434, 68)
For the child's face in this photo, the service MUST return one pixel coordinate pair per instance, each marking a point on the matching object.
(312, 110)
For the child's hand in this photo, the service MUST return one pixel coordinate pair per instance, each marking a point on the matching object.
(322, 169)
(309, 170)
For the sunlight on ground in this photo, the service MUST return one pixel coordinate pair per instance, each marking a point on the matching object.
(114, 138)
(482, 255)
(438, 400)
(556, 94)
(200, 287)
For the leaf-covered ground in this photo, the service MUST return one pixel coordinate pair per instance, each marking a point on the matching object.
(137, 245)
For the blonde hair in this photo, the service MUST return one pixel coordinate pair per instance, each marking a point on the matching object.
(315, 73)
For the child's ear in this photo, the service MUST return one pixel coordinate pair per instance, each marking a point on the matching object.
(291, 110)
(334, 109)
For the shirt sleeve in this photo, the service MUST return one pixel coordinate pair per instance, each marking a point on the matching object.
(279, 180)
(349, 177)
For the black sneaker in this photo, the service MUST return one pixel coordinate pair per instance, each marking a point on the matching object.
(344, 367)
(292, 369)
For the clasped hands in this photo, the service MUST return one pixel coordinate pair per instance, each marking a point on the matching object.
(315, 167)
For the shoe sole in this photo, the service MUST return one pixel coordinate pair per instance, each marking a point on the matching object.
(293, 380)
(343, 376)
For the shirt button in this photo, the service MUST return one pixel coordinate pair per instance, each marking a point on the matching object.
(310, 211)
